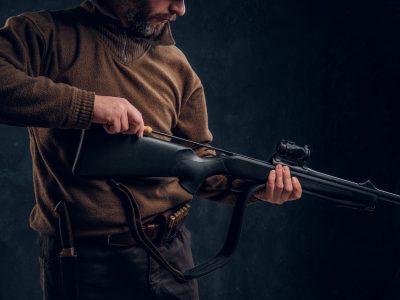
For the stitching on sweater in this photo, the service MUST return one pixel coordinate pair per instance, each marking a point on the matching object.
(115, 45)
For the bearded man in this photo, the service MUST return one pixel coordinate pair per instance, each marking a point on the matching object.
(111, 64)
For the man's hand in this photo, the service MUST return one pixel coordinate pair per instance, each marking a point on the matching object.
(117, 115)
(280, 187)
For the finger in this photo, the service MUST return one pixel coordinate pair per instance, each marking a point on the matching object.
(107, 128)
(269, 187)
(141, 129)
(278, 185)
(113, 127)
(287, 184)
(297, 189)
(136, 119)
(124, 122)
(141, 125)
(133, 120)
(116, 126)
(133, 129)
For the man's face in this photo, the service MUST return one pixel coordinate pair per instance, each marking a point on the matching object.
(147, 18)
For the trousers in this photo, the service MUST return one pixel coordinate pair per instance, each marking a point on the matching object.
(119, 272)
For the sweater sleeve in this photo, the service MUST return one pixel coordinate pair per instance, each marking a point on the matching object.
(28, 98)
(193, 125)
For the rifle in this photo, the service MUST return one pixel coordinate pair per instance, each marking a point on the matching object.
(101, 155)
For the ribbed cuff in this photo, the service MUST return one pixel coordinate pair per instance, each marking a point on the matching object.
(82, 109)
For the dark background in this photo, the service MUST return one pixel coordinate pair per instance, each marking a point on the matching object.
(322, 73)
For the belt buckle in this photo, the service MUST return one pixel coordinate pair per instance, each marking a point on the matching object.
(110, 243)
(152, 231)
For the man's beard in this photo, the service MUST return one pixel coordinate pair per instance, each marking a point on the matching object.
(139, 21)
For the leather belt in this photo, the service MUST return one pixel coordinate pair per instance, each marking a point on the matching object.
(161, 229)
(152, 230)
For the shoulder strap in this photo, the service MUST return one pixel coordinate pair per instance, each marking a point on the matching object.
(134, 221)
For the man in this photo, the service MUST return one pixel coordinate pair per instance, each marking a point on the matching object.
(109, 63)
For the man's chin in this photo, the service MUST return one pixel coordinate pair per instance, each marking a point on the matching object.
(148, 30)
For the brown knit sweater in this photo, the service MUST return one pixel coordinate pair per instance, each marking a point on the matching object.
(51, 66)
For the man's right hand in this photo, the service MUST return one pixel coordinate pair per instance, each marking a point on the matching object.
(117, 115)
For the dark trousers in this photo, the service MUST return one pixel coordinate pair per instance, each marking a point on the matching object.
(122, 273)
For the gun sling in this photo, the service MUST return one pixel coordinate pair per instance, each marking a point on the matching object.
(134, 220)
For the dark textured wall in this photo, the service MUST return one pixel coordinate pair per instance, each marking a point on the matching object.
(325, 73)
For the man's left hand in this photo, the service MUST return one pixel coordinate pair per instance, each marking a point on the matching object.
(280, 187)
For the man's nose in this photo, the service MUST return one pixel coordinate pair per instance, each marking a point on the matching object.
(177, 7)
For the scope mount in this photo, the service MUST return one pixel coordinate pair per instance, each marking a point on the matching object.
(289, 153)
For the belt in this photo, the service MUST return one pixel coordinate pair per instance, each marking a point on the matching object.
(161, 229)
(152, 230)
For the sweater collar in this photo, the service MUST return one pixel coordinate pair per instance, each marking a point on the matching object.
(95, 7)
